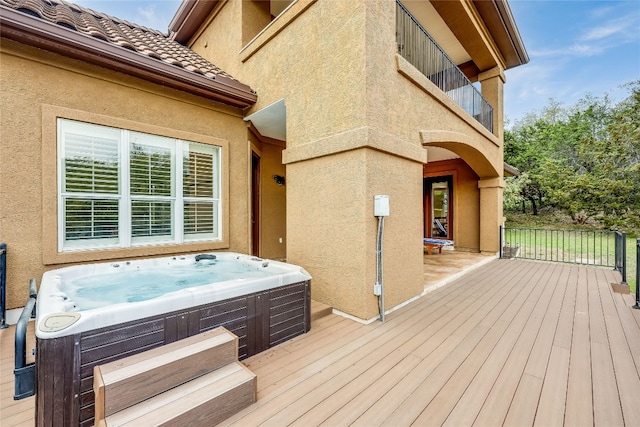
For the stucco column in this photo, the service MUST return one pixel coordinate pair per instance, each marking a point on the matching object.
(492, 83)
(491, 216)
(331, 227)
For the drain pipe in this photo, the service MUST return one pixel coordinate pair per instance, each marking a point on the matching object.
(380, 210)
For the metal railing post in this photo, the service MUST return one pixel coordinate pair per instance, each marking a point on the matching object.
(624, 258)
(621, 255)
(500, 241)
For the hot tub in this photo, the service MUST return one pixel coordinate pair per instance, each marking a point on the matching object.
(93, 314)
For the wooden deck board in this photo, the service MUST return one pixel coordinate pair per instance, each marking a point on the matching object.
(493, 324)
(522, 330)
(472, 397)
(551, 403)
(553, 375)
(533, 345)
(381, 338)
(579, 409)
(606, 407)
(628, 382)
(511, 343)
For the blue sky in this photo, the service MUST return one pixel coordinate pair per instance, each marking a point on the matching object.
(576, 47)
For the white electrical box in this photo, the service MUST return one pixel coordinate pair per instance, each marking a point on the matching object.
(380, 205)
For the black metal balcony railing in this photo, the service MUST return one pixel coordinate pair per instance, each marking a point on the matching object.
(420, 49)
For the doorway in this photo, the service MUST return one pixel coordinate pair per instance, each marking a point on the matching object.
(438, 204)
(255, 204)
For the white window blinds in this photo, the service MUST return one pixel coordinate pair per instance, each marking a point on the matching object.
(119, 188)
(200, 190)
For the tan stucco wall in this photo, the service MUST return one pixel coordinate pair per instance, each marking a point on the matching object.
(316, 63)
(333, 231)
(273, 198)
(348, 94)
(273, 215)
(34, 83)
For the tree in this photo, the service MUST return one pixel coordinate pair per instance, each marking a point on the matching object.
(583, 160)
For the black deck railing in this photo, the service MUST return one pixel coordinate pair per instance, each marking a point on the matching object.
(592, 247)
(417, 46)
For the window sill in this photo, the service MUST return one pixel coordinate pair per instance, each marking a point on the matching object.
(53, 258)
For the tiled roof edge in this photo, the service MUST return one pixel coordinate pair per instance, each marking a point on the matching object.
(40, 33)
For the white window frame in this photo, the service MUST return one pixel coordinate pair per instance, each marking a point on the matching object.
(125, 198)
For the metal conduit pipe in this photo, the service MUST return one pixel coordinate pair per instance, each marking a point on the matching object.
(3, 286)
(379, 268)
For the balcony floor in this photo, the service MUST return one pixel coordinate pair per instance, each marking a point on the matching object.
(512, 343)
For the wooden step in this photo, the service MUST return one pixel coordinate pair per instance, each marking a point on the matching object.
(206, 400)
(319, 310)
(128, 381)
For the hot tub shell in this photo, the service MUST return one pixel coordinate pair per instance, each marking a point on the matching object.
(277, 310)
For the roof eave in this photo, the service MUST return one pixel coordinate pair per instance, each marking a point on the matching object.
(51, 37)
(510, 170)
(501, 24)
(188, 19)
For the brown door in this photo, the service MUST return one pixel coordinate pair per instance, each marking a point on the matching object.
(255, 204)
(438, 202)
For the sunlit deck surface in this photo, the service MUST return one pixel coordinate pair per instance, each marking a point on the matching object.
(510, 343)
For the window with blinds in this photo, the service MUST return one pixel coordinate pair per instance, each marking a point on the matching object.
(200, 190)
(120, 188)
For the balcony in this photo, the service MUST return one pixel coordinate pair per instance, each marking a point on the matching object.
(420, 49)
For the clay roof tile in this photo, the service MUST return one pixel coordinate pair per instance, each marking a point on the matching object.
(145, 41)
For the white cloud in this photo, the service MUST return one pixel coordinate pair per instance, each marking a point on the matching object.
(148, 16)
(623, 27)
(575, 50)
(596, 40)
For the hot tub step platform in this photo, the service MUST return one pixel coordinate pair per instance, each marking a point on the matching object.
(189, 376)
(206, 400)
(125, 382)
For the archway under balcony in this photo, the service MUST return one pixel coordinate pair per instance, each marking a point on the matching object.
(473, 168)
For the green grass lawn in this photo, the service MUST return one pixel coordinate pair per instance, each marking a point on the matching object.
(585, 243)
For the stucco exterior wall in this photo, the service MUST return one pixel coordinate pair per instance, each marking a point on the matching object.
(403, 102)
(34, 82)
(353, 108)
(273, 198)
(333, 233)
(316, 63)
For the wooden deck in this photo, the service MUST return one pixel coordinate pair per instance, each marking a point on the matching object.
(511, 343)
